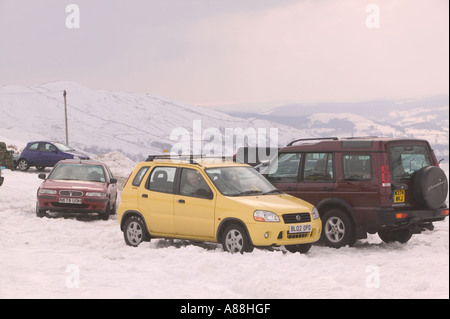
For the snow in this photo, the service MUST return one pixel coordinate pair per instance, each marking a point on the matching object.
(84, 257)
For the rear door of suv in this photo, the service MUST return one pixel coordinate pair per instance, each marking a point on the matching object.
(405, 159)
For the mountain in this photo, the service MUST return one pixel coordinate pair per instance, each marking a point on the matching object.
(141, 124)
(426, 118)
(137, 125)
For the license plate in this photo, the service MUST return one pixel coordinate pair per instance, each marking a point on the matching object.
(294, 229)
(398, 196)
(64, 200)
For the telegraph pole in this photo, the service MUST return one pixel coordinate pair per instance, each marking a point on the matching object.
(65, 111)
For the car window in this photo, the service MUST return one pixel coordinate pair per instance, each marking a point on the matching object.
(34, 147)
(407, 159)
(46, 147)
(285, 169)
(140, 175)
(81, 172)
(162, 179)
(240, 181)
(193, 184)
(64, 147)
(318, 167)
(357, 167)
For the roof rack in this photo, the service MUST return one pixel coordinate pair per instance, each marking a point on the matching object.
(190, 158)
(313, 139)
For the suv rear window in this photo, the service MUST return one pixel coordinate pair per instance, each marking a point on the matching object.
(406, 159)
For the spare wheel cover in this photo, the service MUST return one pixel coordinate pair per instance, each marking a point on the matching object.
(430, 187)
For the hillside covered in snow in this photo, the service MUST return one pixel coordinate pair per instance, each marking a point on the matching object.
(103, 121)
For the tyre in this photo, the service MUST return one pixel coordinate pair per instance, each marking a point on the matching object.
(23, 165)
(135, 231)
(236, 240)
(40, 212)
(430, 187)
(400, 235)
(105, 215)
(338, 230)
(302, 249)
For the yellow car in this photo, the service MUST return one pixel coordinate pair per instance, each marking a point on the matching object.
(227, 203)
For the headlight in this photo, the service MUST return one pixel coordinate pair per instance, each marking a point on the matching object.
(47, 191)
(315, 213)
(95, 194)
(265, 216)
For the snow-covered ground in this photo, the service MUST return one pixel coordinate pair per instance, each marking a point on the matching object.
(83, 257)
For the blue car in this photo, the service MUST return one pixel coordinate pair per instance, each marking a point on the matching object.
(46, 154)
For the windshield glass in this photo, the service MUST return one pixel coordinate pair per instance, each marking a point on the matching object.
(240, 181)
(63, 147)
(405, 160)
(80, 172)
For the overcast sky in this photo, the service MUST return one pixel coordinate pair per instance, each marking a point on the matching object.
(210, 52)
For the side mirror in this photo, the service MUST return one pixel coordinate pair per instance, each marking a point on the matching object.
(42, 176)
(113, 180)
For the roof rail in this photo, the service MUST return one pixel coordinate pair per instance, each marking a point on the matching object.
(359, 137)
(190, 158)
(313, 139)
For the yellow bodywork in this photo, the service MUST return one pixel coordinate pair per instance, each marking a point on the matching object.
(202, 219)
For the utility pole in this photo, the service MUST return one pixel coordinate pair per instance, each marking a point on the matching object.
(65, 111)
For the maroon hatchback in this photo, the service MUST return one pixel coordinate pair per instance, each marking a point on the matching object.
(78, 186)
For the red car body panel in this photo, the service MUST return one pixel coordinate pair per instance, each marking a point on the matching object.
(71, 195)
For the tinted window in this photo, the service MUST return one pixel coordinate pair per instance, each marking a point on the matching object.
(285, 169)
(318, 167)
(162, 179)
(193, 184)
(140, 175)
(357, 167)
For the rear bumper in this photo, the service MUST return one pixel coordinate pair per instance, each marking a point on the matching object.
(405, 218)
(88, 205)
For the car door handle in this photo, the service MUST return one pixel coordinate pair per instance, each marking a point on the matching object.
(145, 195)
(181, 201)
(291, 189)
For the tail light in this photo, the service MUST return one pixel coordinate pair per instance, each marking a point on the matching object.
(385, 176)
(444, 212)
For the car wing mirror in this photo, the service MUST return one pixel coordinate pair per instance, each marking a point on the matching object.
(42, 176)
(113, 180)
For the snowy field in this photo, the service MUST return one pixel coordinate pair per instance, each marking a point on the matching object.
(83, 257)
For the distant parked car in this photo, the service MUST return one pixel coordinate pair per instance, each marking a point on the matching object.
(46, 154)
(78, 186)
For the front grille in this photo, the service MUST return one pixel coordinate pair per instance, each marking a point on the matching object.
(300, 235)
(75, 206)
(296, 218)
(71, 193)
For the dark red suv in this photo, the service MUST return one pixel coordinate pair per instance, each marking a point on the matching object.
(364, 185)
